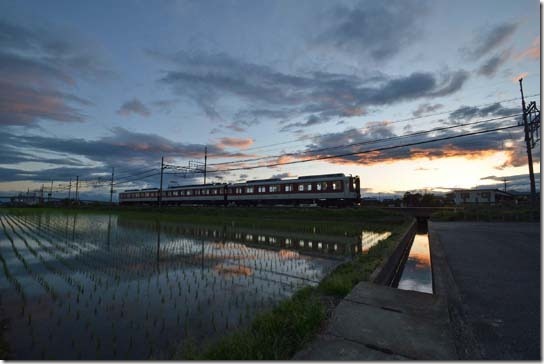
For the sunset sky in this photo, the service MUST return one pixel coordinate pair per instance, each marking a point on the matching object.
(90, 85)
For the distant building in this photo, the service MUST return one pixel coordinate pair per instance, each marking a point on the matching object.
(481, 196)
(29, 198)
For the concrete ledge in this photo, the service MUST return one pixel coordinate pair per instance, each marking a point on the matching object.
(389, 269)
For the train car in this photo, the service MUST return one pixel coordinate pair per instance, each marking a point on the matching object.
(323, 190)
(146, 196)
(208, 194)
(327, 189)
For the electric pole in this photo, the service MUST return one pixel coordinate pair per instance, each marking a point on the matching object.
(41, 194)
(160, 189)
(205, 161)
(111, 185)
(77, 189)
(528, 138)
(51, 191)
(69, 189)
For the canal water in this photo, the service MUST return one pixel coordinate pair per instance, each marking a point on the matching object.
(417, 273)
(82, 286)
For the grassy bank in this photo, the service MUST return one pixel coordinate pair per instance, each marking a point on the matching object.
(346, 221)
(489, 213)
(278, 334)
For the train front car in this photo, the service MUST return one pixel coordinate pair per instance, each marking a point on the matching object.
(323, 190)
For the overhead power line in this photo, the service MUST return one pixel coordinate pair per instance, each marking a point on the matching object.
(366, 151)
(392, 122)
(373, 141)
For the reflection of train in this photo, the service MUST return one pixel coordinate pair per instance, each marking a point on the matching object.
(323, 190)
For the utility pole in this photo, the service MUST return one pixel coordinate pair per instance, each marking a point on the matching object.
(41, 194)
(159, 198)
(111, 185)
(205, 161)
(528, 144)
(504, 180)
(51, 191)
(69, 189)
(77, 189)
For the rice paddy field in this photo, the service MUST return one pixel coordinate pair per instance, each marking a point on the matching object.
(109, 286)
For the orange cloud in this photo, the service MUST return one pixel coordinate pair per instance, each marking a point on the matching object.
(533, 52)
(234, 142)
(521, 75)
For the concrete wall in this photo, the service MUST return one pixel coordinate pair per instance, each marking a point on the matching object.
(386, 273)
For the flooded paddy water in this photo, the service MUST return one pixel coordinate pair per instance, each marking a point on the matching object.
(86, 286)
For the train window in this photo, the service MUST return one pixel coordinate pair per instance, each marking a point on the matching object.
(249, 189)
(318, 186)
(300, 188)
(335, 186)
(288, 188)
(309, 187)
(238, 190)
(262, 189)
(273, 188)
(147, 194)
(189, 192)
(324, 185)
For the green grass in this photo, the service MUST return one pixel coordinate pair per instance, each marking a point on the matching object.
(489, 213)
(281, 332)
(330, 221)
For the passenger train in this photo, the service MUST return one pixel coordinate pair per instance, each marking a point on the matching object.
(323, 190)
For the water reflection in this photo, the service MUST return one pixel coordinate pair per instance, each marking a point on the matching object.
(105, 287)
(417, 275)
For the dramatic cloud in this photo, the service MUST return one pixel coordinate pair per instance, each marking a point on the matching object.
(380, 135)
(376, 29)
(37, 69)
(491, 66)
(519, 182)
(133, 106)
(426, 108)
(489, 39)
(241, 143)
(315, 97)
(464, 113)
(533, 52)
(122, 148)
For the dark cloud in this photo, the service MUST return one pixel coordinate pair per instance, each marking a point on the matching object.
(426, 108)
(518, 182)
(368, 139)
(133, 106)
(38, 69)
(282, 175)
(468, 112)
(121, 149)
(489, 39)
(376, 29)
(21, 105)
(491, 66)
(279, 96)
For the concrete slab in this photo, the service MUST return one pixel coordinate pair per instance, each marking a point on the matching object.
(327, 347)
(413, 303)
(395, 332)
